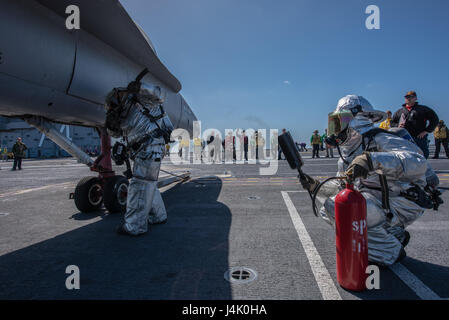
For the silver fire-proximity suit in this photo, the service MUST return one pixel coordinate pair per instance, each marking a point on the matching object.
(141, 124)
(402, 163)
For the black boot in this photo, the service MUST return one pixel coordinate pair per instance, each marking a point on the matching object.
(121, 230)
(406, 239)
(160, 222)
(402, 255)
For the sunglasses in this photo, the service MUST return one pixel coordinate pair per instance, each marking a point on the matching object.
(409, 97)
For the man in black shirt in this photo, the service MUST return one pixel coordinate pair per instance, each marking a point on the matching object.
(419, 120)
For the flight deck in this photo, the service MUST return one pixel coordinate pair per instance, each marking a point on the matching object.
(231, 234)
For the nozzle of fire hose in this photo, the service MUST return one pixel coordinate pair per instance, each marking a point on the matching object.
(308, 183)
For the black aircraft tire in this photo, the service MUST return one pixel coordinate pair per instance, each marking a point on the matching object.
(115, 194)
(88, 194)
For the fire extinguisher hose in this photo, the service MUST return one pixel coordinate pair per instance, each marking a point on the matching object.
(314, 193)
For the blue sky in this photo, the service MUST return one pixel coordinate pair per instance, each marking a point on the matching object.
(275, 64)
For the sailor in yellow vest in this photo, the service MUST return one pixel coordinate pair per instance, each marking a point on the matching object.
(315, 141)
(197, 148)
(167, 149)
(184, 148)
(386, 124)
(441, 137)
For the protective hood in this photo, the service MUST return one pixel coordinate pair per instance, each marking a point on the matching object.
(353, 112)
(350, 103)
(353, 116)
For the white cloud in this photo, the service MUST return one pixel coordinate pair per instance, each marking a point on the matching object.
(286, 82)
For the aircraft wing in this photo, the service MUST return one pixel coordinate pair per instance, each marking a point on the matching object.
(109, 22)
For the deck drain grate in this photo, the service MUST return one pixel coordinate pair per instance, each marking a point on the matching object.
(240, 275)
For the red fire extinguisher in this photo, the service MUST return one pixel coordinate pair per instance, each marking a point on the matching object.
(351, 239)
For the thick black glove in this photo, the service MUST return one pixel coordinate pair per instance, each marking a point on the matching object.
(359, 167)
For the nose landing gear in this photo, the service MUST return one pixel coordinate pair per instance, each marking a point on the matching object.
(108, 189)
(115, 194)
(91, 192)
(88, 194)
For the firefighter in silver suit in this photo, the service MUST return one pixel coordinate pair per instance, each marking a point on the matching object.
(388, 168)
(144, 126)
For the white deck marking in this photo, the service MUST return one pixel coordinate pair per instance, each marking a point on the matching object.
(325, 283)
(414, 283)
(59, 166)
(420, 289)
(18, 192)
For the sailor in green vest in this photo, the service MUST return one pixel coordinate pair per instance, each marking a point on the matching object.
(18, 150)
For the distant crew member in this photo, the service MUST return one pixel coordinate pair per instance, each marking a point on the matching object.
(279, 147)
(185, 145)
(197, 146)
(234, 154)
(329, 149)
(323, 137)
(315, 141)
(211, 148)
(274, 145)
(245, 145)
(441, 135)
(18, 150)
(260, 151)
(386, 124)
(180, 147)
(5, 154)
(218, 148)
(414, 117)
(252, 144)
(167, 149)
(228, 146)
